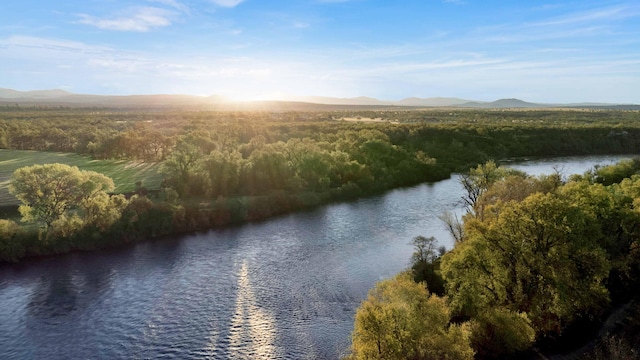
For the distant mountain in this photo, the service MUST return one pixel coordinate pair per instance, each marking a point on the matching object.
(37, 94)
(504, 104)
(434, 101)
(362, 100)
(64, 98)
(57, 97)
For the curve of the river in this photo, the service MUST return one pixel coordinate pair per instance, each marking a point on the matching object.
(283, 288)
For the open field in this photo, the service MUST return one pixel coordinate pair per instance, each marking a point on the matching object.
(124, 173)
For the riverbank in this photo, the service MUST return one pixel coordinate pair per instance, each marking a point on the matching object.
(152, 216)
(286, 287)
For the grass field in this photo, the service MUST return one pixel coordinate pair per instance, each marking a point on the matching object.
(124, 173)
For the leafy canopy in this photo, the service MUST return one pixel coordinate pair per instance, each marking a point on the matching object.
(52, 192)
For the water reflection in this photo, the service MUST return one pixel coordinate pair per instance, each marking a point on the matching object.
(52, 298)
(252, 333)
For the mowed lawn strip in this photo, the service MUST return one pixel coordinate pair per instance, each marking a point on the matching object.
(124, 173)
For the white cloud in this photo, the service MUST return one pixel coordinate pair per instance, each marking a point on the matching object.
(55, 45)
(140, 19)
(614, 13)
(301, 25)
(172, 3)
(227, 3)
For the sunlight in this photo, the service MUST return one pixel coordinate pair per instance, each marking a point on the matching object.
(252, 327)
(255, 96)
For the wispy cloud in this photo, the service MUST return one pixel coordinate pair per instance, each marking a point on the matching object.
(602, 14)
(174, 4)
(141, 19)
(227, 3)
(549, 34)
(38, 43)
(301, 25)
(413, 68)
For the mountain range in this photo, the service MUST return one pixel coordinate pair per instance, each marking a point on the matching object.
(58, 97)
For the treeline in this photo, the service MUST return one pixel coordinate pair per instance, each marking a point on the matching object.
(221, 168)
(538, 262)
(151, 136)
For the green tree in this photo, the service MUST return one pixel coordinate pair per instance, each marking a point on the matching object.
(497, 332)
(400, 320)
(539, 256)
(11, 246)
(181, 165)
(613, 174)
(478, 181)
(223, 172)
(57, 192)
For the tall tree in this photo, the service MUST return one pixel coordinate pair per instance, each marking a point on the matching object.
(181, 165)
(49, 192)
(400, 320)
(540, 256)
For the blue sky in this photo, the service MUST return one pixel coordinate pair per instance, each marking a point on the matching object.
(557, 51)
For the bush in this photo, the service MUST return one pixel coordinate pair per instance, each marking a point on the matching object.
(498, 332)
(11, 244)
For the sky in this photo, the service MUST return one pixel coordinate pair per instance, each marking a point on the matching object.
(553, 52)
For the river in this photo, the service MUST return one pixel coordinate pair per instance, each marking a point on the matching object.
(284, 288)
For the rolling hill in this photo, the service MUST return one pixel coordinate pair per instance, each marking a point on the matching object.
(58, 97)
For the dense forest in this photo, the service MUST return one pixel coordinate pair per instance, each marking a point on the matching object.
(537, 265)
(221, 168)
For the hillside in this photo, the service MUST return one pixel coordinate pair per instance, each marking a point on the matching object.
(57, 97)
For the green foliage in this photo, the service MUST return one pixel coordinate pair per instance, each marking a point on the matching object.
(11, 246)
(400, 320)
(497, 332)
(50, 192)
(478, 181)
(180, 165)
(539, 256)
(71, 206)
(211, 154)
(554, 251)
(613, 174)
(144, 218)
(223, 172)
(124, 173)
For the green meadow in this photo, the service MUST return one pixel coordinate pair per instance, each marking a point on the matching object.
(124, 173)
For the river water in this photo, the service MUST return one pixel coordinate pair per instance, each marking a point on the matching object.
(284, 288)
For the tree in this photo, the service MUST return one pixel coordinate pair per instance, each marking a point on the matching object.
(497, 332)
(613, 174)
(453, 225)
(400, 320)
(539, 256)
(478, 181)
(222, 169)
(181, 164)
(425, 263)
(52, 192)
(11, 247)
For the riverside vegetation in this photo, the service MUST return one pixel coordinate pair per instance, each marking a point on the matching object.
(219, 168)
(535, 258)
(537, 264)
